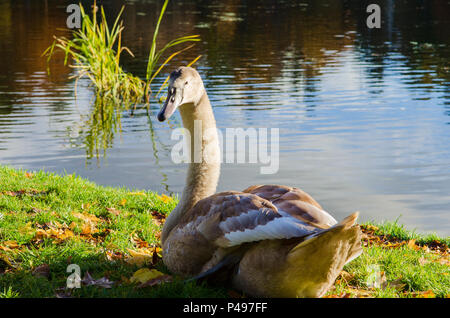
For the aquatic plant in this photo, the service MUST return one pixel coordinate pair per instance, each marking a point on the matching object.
(96, 50)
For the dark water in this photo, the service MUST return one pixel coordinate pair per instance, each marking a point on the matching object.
(364, 115)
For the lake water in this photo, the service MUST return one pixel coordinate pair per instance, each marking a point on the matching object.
(364, 115)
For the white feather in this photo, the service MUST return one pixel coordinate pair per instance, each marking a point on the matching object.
(279, 228)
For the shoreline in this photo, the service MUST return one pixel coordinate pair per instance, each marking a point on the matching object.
(48, 222)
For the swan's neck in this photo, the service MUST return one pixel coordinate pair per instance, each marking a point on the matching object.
(204, 169)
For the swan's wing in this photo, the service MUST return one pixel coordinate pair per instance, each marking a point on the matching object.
(273, 192)
(295, 202)
(233, 218)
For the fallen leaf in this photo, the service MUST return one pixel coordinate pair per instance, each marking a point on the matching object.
(42, 270)
(112, 256)
(423, 294)
(423, 261)
(371, 227)
(87, 217)
(113, 211)
(55, 233)
(102, 282)
(143, 275)
(138, 242)
(63, 293)
(29, 175)
(158, 218)
(88, 229)
(10, 244)
(164, 198)
(346, 276)
(412, 245)
(139, 258)
(4, 261)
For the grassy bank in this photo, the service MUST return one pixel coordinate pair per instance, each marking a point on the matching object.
(48, 222)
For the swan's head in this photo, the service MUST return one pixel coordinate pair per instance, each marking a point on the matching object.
(185, 87)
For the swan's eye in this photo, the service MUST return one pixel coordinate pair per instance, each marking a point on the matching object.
(186, 83)
(172, 99)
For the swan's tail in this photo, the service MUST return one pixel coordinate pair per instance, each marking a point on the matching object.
(320, 259)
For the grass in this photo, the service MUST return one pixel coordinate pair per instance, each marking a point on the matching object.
(48, 222)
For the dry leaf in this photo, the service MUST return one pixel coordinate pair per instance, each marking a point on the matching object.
(138, 242)
(4, 261)
(102, 282)
(164, 198)
(143, 275)
(86, 217)
(346, 276)
(10, 244)
(412, 245)
(139, 258)
(423, 294)
(42, 270)
(113, 211)
(29, 175)
(156, 281)
(136, 193)
(60, 234)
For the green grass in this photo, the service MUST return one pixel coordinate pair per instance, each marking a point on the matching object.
(52, 198)
(128, 219)
(399, 231)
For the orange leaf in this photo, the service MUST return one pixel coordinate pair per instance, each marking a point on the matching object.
(412, 245)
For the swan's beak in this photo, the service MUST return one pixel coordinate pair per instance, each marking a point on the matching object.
(170, 105)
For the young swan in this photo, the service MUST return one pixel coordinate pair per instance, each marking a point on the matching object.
(267, 240)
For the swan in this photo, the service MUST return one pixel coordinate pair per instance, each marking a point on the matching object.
(267, 240)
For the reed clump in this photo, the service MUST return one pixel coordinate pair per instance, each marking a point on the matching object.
(96, 49)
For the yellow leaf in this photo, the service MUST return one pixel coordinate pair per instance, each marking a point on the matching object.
(29, 175)
(88, 228)
(27, 229)
(164, 198)
(412, 245)
(41, 234)
(66, 233)
(424, 294)
(144, 275)
(86, 217)
(123, 202)
(136, 193)
(11, 244)
(139, 258)
(5, 260)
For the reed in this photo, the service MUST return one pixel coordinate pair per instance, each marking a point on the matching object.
(96, 50)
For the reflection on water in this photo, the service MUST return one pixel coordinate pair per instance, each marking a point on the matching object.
(364, 115)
